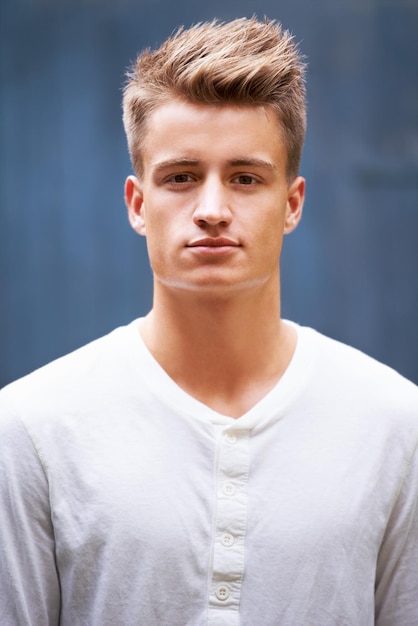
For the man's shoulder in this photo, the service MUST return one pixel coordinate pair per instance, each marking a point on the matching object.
(74, 375)
(350, 357)
(351, 373)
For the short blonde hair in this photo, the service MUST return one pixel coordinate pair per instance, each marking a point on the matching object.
(244, 61)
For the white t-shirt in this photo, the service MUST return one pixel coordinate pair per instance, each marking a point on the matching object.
(126, 502)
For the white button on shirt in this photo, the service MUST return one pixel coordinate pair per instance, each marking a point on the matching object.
(227, 540)
(230, 437)
(222, 592)
(228, 489)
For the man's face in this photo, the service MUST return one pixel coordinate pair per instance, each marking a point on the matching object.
(214, 201)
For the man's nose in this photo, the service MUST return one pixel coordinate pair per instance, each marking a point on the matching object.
(213, 205)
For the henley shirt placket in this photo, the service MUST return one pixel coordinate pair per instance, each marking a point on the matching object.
(229, 526)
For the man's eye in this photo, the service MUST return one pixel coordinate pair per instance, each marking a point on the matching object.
(180, 178)
(245, 179)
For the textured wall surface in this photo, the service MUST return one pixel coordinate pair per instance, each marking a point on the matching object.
(70, 267)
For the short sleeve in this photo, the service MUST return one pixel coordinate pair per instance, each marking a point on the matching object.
(397, 569)
(29, 585)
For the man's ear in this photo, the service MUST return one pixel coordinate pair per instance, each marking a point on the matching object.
(295, 198)
(135, 204)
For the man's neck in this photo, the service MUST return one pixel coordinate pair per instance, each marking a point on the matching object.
(227, 353)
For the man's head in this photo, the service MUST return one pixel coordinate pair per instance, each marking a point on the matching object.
(241, 62)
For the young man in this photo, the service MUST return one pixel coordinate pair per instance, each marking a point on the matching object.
(212, 463)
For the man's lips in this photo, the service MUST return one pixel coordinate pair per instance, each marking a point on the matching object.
(213, 242)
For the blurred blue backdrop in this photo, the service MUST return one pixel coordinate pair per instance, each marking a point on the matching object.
(71, 268)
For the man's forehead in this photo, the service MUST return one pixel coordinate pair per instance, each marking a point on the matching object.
(183, 134)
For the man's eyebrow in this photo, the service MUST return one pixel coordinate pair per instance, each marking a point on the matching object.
(238, 162)
(252, 162)
(181, 162)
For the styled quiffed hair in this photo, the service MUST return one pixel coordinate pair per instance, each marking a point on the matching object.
(242, 62)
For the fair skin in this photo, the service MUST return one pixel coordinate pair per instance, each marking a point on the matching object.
(214, 203)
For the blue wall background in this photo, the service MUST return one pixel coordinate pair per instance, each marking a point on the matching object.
(71, 268)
